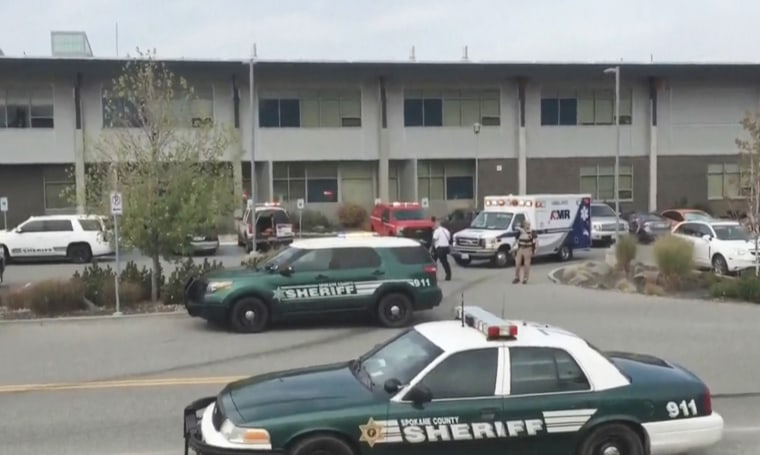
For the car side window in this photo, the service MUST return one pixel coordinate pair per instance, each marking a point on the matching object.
(703, 230)
(536, 370)
(317, 260)
(688, 229)
(386, 215)
(355, 258)
(465, 374)
(33, 226)
(58, 226)
(673, 215)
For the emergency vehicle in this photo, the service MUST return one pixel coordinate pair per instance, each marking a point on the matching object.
(402, 219)
(562, 222)
(476, 384)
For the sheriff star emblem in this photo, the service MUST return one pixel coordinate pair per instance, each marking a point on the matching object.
(372, 432)
(278, 294)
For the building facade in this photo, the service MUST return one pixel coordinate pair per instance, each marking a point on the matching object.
(353, 132)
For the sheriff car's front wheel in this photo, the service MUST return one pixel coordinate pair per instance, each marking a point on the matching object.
(321, 445)
(249, 315)
(612, 439)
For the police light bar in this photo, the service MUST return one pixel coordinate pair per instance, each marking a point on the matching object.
(353, 235)
(405, 204)
(487, 323)
(268, 204)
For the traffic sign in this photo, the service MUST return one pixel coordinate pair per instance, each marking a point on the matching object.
(117, 207)
(300, 203)
(3, 204)
(425, 202)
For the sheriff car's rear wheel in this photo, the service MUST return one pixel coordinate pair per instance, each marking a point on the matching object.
(249, 315)
(394, 310)
(612, 439)
(79, 253)
(321, 445)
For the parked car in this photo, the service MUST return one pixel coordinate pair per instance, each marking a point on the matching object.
(675, 216)
(647, 226)
(603, 219)
(272, 224)
(402, 219)
(724, 246)
(459, 220)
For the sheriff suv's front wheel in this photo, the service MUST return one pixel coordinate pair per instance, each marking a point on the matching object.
(249, 315)
(321, 445)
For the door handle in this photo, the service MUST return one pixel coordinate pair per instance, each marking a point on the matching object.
(489, 413)
(378, 272)
(321, 277)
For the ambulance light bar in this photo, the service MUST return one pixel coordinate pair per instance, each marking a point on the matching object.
(405, 204)
(502, 202)
(493, 327)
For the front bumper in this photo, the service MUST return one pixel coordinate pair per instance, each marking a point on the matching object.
(197, 305)
(205, 245)
(473, 253)
(737, 264)
(196, 426)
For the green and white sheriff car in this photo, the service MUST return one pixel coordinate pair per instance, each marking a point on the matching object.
(479, 385)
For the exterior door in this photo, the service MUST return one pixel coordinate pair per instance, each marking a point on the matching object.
(27, 241)
(360, 271)
(55, 237)
(688, 232)
(549, 400)
(703, 246)
(300, 291)
(463, 414)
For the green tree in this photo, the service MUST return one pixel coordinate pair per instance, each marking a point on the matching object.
(173, 171)
(749, 176)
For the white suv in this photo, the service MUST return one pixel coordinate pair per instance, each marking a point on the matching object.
(724, 246)
(76, 237)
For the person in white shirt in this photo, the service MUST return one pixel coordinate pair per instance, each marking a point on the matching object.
(442, 246)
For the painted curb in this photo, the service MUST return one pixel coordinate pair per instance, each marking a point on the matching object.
(99, 317)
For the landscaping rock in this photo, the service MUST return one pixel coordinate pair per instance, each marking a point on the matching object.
(626, 286)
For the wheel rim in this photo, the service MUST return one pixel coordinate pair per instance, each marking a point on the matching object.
(394, 312)
(612, 446)
(565, 255)
(501, 257)
(248, 316)
(719, 266)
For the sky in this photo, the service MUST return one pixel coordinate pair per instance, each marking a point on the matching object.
(493, 30)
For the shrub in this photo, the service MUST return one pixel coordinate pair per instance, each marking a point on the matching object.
(312, 221)
(352, 216)
(625, 252)
(674, 258)
(49, 297)
(141, 277)
(746, 288)
(172, 293)
(94, 277)
(130, 294)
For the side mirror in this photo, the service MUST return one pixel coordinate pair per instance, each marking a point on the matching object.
(285, 270)
(707, 237)
(18, 230)
(392, 386)
(419, 395)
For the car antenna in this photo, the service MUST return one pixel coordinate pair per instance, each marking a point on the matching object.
(462, 305)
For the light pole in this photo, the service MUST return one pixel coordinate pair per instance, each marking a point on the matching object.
(476, 130)
(251, 91)
(616, 71)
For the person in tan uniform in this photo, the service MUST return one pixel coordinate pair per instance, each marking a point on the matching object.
(523, 252)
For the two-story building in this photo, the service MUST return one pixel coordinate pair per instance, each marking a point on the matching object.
(334, 132)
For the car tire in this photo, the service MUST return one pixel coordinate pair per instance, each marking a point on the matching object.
(612, 436)
(249, 315)
(720, 266)
(79, 253)
(394, 310)
(462, 262)
(7, 254)
(565, 253)
(320, 445)
(501, 259)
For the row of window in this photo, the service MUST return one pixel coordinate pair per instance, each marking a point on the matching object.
(317, 109)
(585, 107)
(26, 107)
(188, 111)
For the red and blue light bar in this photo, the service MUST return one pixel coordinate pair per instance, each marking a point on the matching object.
(492, 326)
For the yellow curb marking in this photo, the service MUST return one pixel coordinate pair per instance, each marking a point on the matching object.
(126, 383)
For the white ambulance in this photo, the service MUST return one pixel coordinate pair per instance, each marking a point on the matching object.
(562, 222)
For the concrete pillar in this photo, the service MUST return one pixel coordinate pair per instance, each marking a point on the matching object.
(522, 141)
(383, 151)
(80, 179)
(655, 85)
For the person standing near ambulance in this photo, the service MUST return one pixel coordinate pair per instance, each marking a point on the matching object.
(442, 245)
(525, 247)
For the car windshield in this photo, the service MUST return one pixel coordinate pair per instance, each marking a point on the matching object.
(492, 220)
(696, 216)
(601, 210)
(401, 358)
(406, 215)
(286, 256)
(731, 232)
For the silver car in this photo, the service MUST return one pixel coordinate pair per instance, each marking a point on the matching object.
(603, 220)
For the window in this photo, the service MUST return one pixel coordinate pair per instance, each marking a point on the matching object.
(59, 195)
(393, 180)
(279, 113)
(91, 225)
(355, 258)
(58, 225)
(544, 370)
(400, 358)
(195, 110)
(120, 113)
(452, 108)
(585, 107)
(26, 108)
(465, 374)
(409, 255)
(313, 181)
(33, 226)
(724, 181)
(602, 210)
(445, 180)
(600, 182)
(313, 261)
(312, 109)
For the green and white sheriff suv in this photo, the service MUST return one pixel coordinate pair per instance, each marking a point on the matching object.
(479, 385)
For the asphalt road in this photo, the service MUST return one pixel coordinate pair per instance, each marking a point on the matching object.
(143, 416)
